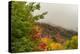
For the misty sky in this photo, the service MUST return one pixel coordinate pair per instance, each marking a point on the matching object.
(64, 15)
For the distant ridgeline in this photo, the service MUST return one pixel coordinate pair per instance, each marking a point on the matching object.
(57, 32)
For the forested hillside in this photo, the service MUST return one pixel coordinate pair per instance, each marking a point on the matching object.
(29, 35)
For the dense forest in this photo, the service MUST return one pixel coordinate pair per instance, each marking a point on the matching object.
(29, 35)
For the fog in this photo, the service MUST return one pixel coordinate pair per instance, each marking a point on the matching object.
(63, 15)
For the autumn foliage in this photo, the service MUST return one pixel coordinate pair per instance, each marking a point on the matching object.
(27, 35)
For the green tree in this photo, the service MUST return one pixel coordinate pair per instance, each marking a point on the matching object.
(22, 22)
(73, 43)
